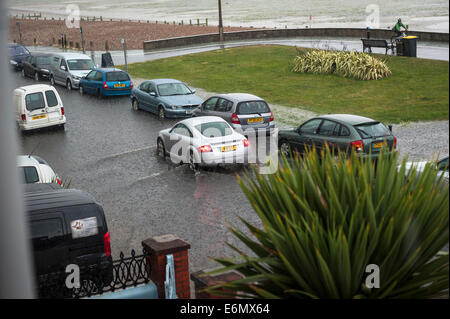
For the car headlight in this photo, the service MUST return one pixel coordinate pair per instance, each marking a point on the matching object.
(173, 107)
(13, 62)
(45, 71)
(76, 77)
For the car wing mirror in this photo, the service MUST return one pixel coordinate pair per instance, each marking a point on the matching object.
(63, 68)
(193, 91)
(152, 93)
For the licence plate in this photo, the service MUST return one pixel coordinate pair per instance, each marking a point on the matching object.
(228, 148)
(255, 120)
(38, 117)
(379, 144)
(119, 85)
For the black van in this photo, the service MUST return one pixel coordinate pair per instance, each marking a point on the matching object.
(67, 226)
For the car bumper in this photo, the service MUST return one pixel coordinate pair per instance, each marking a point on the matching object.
(216, 158)
(248, 130)
(28, 127)
(111, 92)
(178, 113)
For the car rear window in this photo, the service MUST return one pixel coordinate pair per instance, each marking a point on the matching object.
(51, 98)
(214, 129)
(117, 76)
(372, 129)
(253, 107)
(47, 229)
(30, 174)
(34, 101)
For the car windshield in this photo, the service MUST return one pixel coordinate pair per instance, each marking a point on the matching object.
(80, 64)
(29, 174)
(372, 129)
(18, 50)
(253, 107)
(167, 89)
(214, 129)
(117, 76)
(43, 60)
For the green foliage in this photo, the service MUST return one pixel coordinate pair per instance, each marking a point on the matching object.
(355, 65)
(324, 221)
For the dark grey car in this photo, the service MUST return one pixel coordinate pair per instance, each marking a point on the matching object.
(339, 131)
(246, 113)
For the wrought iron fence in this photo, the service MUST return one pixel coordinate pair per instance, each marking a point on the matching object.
(98, 279)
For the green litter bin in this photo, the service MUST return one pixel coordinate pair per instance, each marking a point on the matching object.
(409, 46)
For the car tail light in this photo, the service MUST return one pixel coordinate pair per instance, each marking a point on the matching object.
(205, 148)
(395, 142)
(131, 84)
(246, 142)
(24, 117)
(62, 110)
(58, 181)
(357, 145)
(235, 119)
(107, 243)
(271, 116)
(105, 85)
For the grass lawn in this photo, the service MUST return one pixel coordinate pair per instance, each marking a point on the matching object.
(418, 89)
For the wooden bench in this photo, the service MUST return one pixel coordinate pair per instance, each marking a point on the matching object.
(377, 43)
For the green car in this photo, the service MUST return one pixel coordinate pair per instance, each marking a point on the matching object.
(339, 131)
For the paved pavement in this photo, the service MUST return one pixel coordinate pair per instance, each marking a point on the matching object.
(428, 50)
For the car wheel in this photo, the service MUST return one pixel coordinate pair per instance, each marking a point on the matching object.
(161, 113)
(192, 165)
(23, 73)
(81, 90)
(160, 149)
(285, 148)
(69, 85)
(52, 80)
(135, 105)
(62, 127)
(36, 76)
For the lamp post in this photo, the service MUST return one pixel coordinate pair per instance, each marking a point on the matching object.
(82, 40)
(124, 45)
(220, 22)
(20, 32)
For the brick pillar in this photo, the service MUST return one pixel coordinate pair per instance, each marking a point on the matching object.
(157, 248)
(203, 282)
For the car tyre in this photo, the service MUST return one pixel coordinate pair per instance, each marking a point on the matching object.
(161, 113)
(52, 80)
(160, 148)
(23, 73)
(81, 90)
(69, 85)
(62, 127)
(285, 148)
(192, 165)
(36, 76)
(135, 105)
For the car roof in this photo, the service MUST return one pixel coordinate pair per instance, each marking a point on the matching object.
(42, 196)
(239, 97)
(35, 88)
(348, 118)
(162, 81)
(26, 160)
(104, 70)
(10, 45)
(201, 119)
(41, 54)
(72, 55)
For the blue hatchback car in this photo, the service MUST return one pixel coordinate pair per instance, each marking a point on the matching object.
(165, 97)
(106, 82)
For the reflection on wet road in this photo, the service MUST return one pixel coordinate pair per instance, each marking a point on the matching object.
(109, 150)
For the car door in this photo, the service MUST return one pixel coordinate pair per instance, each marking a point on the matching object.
(208, 107)
(140, 95)
(88, 82)
(151, 98)
(306, 135)
(26, 64)
(36, 109)
(60, 74)
(97, 82)
(327, 135)
(53, 108)
(222, 109)
(47, 237)
(178, 143)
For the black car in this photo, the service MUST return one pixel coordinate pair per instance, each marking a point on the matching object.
(340, 132)
(67, 226)
(37, 66)
(16, 54)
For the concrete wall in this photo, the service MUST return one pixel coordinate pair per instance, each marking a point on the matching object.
(287, 33)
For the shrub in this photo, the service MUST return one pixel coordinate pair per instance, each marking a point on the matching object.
(356, 65)
(324, 221)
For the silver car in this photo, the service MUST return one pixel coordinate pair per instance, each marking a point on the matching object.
(247, 114)
(68, 68)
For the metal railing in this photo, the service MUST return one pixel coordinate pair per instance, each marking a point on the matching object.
(97, 279)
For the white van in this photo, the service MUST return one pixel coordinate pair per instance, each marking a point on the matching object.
(38, 106)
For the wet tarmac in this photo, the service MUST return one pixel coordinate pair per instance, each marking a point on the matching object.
(109, 150)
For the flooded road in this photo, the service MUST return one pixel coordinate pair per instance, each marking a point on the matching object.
(109, 150)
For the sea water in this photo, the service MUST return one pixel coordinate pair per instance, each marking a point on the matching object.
(419, 15)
